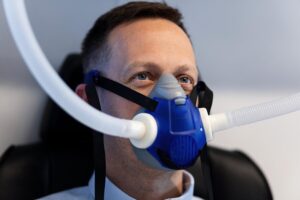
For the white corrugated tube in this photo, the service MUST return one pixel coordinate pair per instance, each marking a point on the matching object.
(49, 80)
(248, 115)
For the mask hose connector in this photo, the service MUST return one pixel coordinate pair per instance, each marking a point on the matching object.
(150, 131)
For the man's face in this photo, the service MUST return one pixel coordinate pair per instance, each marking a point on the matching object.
(141, 52)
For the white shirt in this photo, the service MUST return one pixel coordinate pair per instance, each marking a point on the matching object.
(112, 192)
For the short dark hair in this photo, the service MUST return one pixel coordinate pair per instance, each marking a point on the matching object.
(95, 48)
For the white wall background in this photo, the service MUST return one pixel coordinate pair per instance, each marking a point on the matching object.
(248, 52)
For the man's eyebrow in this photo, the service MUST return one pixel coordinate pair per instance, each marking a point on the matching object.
(185, 68)
(181, 68)
(142, 64)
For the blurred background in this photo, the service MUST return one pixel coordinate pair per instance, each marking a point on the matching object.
(247, 52)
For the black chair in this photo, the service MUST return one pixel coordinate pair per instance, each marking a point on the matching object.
(64, 159)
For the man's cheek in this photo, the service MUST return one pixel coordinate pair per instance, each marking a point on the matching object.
(118, 106)
(127, 109)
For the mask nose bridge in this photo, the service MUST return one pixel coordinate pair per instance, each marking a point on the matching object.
(167, 87)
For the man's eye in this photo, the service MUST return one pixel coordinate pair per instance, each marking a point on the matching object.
(185, 80)
(142, 76)
(141, 79)
(186, 83)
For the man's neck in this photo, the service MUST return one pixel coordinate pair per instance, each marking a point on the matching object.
(158, 185)
(136, 179)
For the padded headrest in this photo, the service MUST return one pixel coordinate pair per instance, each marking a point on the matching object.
(57, 126)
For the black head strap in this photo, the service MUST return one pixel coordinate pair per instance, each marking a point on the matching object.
(99, 164)
(204, 95)
(94, 79)
(205, 99)
(125, 92)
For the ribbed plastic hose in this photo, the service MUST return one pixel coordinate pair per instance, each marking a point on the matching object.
(255, 113)
(49, 80)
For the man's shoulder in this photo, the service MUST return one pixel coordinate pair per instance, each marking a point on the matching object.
(79, 193)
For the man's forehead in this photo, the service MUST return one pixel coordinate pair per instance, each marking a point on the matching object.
(146, 23)
(145, 27)
(155, 44)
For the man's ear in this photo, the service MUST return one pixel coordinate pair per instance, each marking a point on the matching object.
(81, 92)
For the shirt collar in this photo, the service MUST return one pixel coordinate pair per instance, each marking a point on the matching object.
(112, 192)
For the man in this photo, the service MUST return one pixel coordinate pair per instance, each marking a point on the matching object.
(135, 44)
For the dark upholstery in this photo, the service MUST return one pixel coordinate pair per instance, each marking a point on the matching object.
(64, 159)
(236, 176)
(57, 127)
(32, 171)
